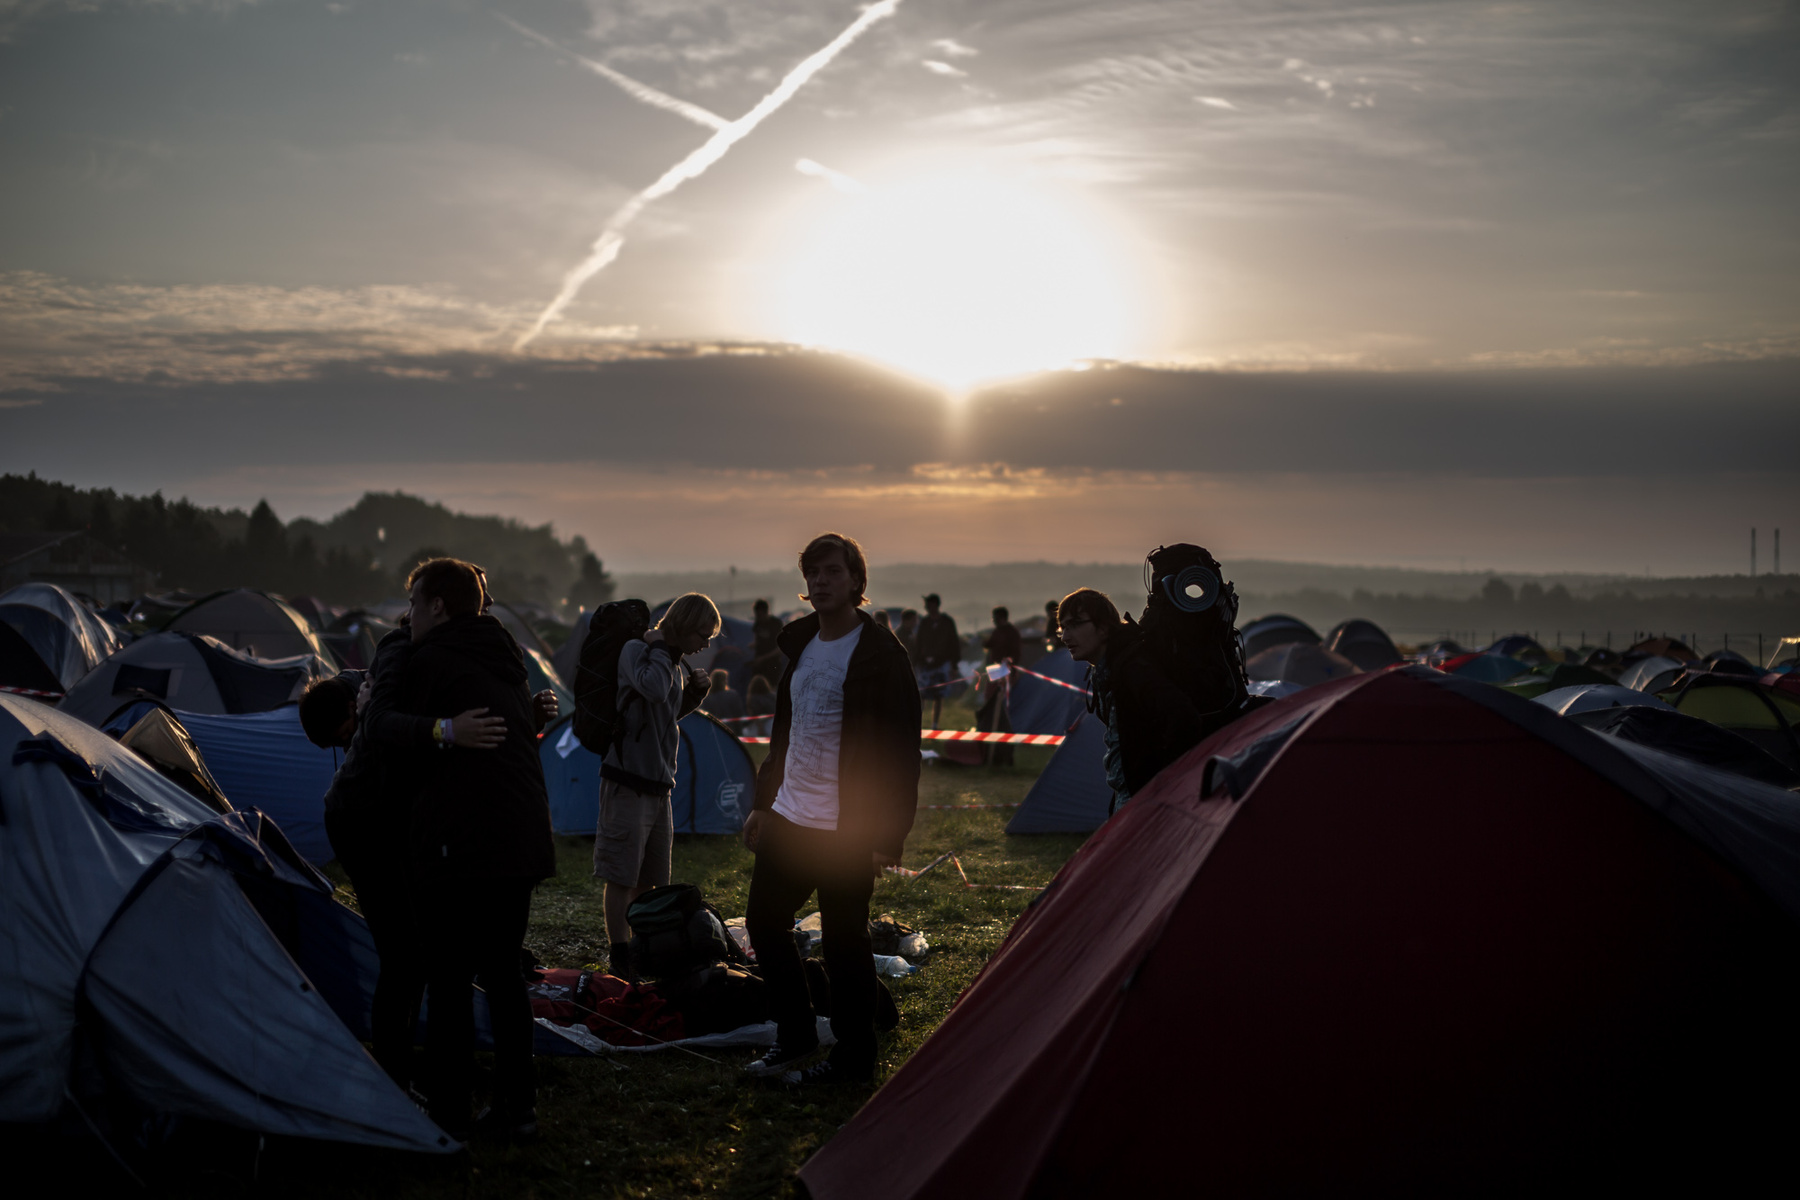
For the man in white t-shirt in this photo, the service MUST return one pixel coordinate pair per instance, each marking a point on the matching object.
(834, 802)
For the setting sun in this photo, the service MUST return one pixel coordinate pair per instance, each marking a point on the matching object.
(956, 278)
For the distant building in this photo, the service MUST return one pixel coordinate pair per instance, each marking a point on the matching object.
(72, 560)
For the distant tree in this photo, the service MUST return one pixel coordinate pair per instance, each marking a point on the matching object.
(1531, 594)
(593, 587)
(100, 521)
(1497, 593)
(61, 517)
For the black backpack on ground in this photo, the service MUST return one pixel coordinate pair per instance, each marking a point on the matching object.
(1190, 631)
(675, 931)
(599, 725)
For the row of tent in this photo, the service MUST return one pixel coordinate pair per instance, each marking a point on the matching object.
(1712, 710)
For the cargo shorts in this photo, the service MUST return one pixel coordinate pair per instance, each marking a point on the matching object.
(636, 839)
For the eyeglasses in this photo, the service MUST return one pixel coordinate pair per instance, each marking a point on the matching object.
(1077, 621)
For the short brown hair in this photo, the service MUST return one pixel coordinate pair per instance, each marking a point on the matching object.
(457, 583)
(824, 544)
(1094, 606)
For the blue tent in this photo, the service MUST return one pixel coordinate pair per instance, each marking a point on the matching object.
(262, 761)
(205, 966)
(714, 783)
(1071, 794)
(1039, 707)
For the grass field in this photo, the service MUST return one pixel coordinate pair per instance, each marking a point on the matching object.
(673, 1124)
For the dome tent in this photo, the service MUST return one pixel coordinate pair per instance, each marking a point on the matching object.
(1674, 732)
(1070, 795)
(1298, 662)
(1587, 697)
(191, 673)
(151, 947)
(1759, 714)
(1364, 643)
(1276, 629)
(252, 621)
(715, 780)
(65, 636)
(1035, 706)
(1434, 978)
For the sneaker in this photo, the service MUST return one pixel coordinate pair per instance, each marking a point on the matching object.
(824, 1074)
(512, 1124)
(776, 1059)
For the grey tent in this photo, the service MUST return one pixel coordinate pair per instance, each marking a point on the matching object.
(1037, 706)
(137, 924)
(1276, 629)
(1364, 643)
(1070, 795)
(193, 674)
(68, 638)
(1587, 697)
(1297, 662)
(253, 621)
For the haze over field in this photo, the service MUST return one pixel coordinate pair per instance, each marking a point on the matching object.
(1436, 284)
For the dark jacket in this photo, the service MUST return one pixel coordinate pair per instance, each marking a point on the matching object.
(1004, 643)
(1155, 722)
(937, 641)
(479, 814)
(878, 758)
(381, 766)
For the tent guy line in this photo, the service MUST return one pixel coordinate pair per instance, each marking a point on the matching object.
(612, 238)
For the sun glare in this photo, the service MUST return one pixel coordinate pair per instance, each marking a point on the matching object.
(958, 279)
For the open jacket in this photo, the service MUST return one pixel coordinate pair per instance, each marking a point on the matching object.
(878, 757)
(478, 814)
(1154, 720)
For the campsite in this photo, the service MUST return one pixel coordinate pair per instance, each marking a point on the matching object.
(169, 727)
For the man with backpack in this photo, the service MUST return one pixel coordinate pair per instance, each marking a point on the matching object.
(636, 838)
(835, 800)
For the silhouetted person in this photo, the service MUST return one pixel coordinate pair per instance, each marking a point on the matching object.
(481, 841)
(1149, 721)
(835, 800)
(1051, 638)
(765, 652)
(1003, 645)
(939, 652)
(721, 701)
(908, 633)
(634, 847)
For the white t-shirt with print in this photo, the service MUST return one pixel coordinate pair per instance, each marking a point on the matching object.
(809, 787)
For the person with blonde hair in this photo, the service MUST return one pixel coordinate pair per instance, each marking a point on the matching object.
(633, 847)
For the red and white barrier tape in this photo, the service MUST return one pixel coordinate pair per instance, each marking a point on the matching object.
(951, 858)
(1058, 682)
(35, 695)
(962, 735)
(960, 807)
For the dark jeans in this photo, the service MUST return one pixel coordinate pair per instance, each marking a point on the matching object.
(791, 861)
(476, 927)
(371, 846)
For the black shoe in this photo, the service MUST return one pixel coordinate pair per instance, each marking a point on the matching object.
(512, 1124)
(621, 962)
(826, 1074)
(776, 1059)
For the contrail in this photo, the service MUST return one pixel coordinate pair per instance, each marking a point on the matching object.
(612, 237)
(625, 83)
(836, 179)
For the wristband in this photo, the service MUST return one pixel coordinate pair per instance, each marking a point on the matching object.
(446, 732)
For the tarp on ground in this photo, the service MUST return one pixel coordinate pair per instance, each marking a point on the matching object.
(1276, 629)
(190, 952)
(715, 780)
(1038, 707)
(1364, 643)
(1070, 795)
(190, 673)
(64, 633)
(1509, 950)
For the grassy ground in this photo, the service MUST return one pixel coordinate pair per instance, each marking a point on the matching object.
(671, 1124)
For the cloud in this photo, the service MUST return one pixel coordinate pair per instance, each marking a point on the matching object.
(951, 48)
(944, 69)
(1216, 102)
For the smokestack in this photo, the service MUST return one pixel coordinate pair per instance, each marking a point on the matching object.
(1753, 552)
(1778, 550)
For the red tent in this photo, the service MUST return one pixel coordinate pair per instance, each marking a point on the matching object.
(1401, 933)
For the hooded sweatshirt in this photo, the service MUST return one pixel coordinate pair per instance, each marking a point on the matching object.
(479, 814)
(654, 694)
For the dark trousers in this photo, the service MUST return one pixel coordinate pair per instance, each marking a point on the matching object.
(476, 927)
(371, 847)
(791, 861)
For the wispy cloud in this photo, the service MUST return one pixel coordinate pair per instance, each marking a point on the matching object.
(612, 238)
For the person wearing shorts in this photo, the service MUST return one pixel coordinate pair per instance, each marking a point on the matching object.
(637, 777)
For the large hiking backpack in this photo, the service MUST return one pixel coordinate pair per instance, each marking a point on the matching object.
(599, 725)
(674, 931)
(1190, 631)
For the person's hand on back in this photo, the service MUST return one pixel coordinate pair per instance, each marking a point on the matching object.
(474, 730)
(545, 707)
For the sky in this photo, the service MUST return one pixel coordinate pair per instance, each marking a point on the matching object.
(1421, 283)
